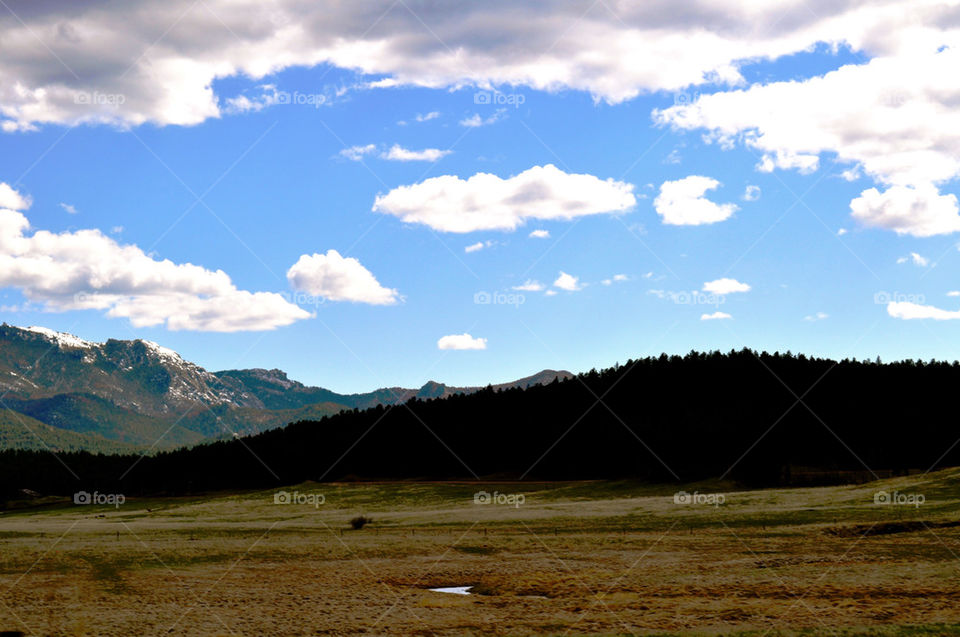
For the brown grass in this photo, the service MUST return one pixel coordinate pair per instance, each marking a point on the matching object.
(587, 558)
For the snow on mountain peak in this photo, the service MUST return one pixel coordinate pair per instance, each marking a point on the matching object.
(162, 352)
(62, 339)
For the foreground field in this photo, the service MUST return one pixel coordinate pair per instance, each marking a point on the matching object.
(557, 559)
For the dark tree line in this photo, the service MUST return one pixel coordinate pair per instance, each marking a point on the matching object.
(666, 418)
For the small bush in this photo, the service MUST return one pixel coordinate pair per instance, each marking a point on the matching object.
(359, 522)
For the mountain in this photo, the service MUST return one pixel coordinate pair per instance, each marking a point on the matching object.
(139, 394)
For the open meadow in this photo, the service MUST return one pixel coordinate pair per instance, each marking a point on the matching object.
(586, 558)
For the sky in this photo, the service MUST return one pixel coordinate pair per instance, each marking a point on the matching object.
(369, 195)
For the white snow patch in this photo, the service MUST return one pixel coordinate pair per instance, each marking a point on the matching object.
(62, 339)
(162, 352)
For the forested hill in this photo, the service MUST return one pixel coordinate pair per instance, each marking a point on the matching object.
(743, 415)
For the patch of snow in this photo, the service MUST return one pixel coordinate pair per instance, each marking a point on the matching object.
(162, 352)
(62, 339)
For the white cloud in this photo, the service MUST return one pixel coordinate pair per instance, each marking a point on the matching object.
(476, 121)
(13, 200)
(716, 316)
(550, 293)
(567, 282)
(907, 310)
(682, 203)
(540, 234)
(357, 153)
(530, 286)
(893, 118)
(616, 278)
(751, 193)
(916, 258)
(953, 293)
(819, 316)
(461, 342)
(487, 202)
(69, 208)
(427, 116)
(165, 64)
(398, 153)
(338, 278)
(841, 232)
(852, 174)
(479, 245)
(725, 286)
(919, 211)
(88, 270)
(673, 158)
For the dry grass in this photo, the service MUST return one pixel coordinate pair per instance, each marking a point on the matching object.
(586, 558)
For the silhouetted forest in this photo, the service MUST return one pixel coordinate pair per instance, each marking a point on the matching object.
(665, 419)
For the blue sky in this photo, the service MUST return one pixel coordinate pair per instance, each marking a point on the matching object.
(276, 185)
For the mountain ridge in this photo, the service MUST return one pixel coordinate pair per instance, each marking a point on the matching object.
(139, 393)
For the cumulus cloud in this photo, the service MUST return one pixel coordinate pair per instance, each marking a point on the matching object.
(426, 117)
(88, 270)
(540, 234)
(399, 153)
(725, 286)
(530, 286)
(488, 202)
(892, 118)
(461, 341)
(337, 278)
(751, 193)
(716, 316)
(681, 202)
(567, 282)
(13, 200)
(908, 311)
(919, 211)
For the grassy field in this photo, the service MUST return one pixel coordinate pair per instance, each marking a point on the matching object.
(605, 558)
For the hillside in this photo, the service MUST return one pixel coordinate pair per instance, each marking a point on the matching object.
(18, 431)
